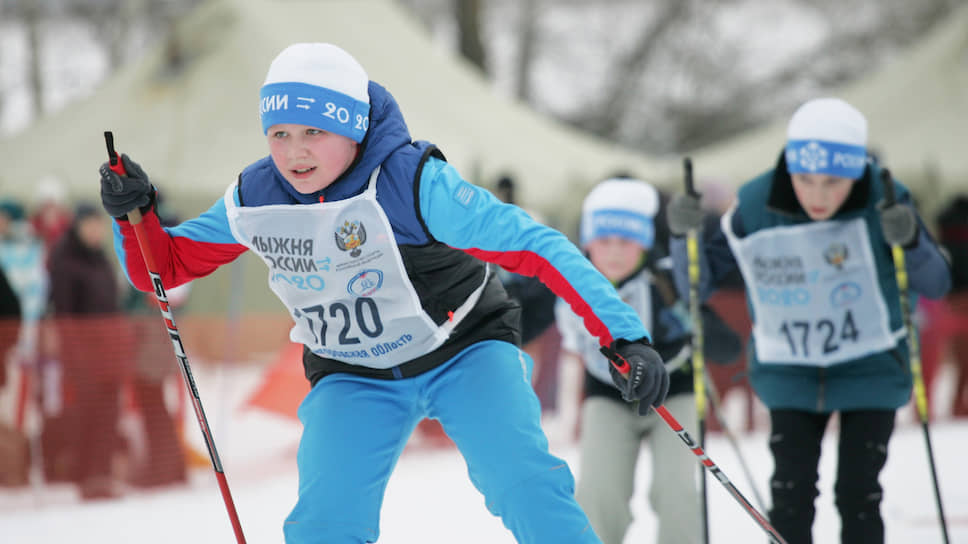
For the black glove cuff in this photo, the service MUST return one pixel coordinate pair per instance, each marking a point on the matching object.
(623, 342)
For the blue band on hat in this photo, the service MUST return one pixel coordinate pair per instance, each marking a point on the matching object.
(623, 223)
(819, 157)
(304, 104)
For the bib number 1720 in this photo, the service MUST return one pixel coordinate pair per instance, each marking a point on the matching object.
(363, 317)
(801, 334)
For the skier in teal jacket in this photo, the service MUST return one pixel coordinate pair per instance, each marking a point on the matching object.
(812, 238)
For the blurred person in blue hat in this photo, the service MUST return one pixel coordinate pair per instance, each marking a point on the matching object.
(618, 233)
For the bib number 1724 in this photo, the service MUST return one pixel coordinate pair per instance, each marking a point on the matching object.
(824, 334)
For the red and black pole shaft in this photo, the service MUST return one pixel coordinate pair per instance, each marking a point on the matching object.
(134, 217)
(914, 350)
(760, 519)
(623, 367)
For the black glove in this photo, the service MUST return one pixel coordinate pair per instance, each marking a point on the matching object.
(684, 214)
(121, 194)
(899, 224)
(646, 379)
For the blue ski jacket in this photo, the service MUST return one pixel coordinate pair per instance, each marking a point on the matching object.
(444, 227)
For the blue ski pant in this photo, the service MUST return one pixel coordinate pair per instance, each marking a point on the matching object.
(355, 429)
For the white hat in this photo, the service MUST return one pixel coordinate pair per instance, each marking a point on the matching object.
(827, 136)
(49, 189)
(620, 207)
(319, 85)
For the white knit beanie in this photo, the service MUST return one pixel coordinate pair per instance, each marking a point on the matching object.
(318, 85)
(827, 136)
(620, 207)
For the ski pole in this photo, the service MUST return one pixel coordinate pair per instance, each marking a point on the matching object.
(134, 217)
(698, 362)
(716, 406)
(720, 475)
(920, 396)
(623, 367)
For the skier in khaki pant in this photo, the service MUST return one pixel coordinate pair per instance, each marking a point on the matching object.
(618, 235)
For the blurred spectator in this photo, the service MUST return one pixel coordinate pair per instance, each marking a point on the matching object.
(9, 323)
(14, 451)
(163, 461)
(9, 300)
(504, 189)
(953, 236)
(22, 259)
(95, 347)
(51, 216)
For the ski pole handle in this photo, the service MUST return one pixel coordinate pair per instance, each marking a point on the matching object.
(113, 158)
(888, 181)
(622, 367)
(114, 161)
(690, 186)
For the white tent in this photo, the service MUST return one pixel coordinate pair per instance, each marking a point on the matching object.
(193, 128)
(917, 112)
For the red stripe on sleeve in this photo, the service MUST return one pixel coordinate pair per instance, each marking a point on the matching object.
(531, 264)
(179, 259)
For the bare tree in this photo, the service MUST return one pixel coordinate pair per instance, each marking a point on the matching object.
(116, 24)
(468, 15)
(527, 42)
(676, 84)
(630, 66)
(675, 88)
(31, 14)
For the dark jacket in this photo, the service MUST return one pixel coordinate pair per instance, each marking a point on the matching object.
(9, 322)
(953, 236)
(82, 278)
(95, 339)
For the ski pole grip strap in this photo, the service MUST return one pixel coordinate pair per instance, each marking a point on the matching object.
(687, 177)
(114, 160)
(616, 360)
(889, 197)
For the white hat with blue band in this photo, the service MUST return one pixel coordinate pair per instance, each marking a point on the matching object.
(318, 85)
(620, 207)
(827, 136)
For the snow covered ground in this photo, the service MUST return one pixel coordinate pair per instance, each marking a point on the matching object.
(430, 500)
